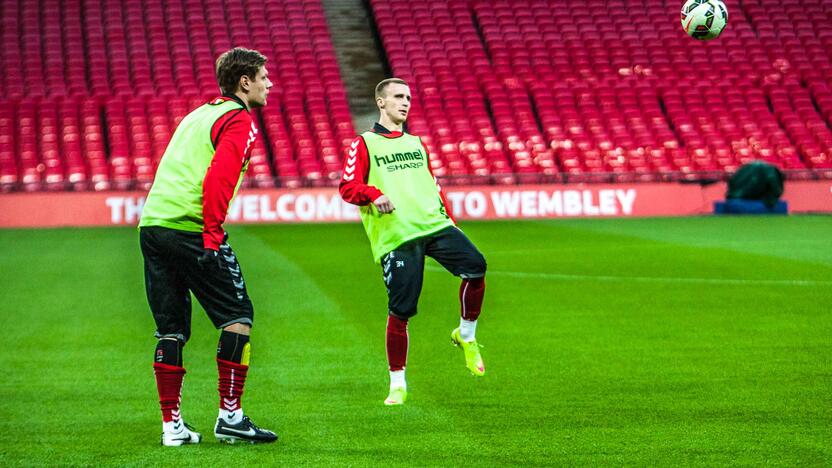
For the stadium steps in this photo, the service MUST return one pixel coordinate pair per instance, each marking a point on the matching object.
(360, 56)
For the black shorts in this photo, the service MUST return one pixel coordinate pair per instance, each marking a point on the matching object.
(172, 272)
(403, 268)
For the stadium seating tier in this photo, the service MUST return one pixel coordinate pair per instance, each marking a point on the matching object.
(504, 91)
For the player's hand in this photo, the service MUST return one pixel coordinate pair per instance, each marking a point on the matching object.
(384, 204)
(210, 259)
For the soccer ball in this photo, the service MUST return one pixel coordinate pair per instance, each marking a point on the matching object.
(704, 19)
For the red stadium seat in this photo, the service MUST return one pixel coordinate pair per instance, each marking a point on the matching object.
(125, 64)
(500, 88)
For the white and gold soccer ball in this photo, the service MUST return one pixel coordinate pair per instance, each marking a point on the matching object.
(704, 19)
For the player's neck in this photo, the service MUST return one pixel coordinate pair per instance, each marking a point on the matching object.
(243, 98)
(389, 124)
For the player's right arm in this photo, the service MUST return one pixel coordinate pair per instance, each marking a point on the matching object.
(233, 135)
(354, 188)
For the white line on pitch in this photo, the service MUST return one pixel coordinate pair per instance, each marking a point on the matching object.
(650, 279)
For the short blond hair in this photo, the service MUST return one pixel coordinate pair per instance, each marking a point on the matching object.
(383, 84)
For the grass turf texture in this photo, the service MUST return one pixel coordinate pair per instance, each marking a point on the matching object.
(631, 341)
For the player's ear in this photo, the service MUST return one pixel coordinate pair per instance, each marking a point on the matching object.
(380, 102)
(245, 83)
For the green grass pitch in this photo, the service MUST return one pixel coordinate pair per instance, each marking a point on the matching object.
(678, 341)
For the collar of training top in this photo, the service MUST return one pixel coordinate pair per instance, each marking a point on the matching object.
(236, 98)
(379, 128)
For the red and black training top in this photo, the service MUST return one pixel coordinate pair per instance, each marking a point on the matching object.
(353, 187)
(233, 136)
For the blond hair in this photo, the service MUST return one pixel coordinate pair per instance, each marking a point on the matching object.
(385, 83)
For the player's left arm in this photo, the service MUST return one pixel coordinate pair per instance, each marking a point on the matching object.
(235, 139)
(436, 181)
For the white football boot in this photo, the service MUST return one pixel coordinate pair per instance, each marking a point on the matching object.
(178, 432)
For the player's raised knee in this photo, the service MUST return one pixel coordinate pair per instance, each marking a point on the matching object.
(402, 312)
(481, 263)
(476, 266)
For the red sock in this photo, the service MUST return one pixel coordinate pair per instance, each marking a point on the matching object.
(231, 383)
(396, 343)
(169, 383)
(471, 292)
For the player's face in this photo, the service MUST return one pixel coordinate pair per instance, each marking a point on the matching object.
(396, 102)
(259, 88)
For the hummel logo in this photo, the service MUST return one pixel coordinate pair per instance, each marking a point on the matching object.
(251, 137)
(353, 152)
(349, 177)
(349, 169)
(250, 432)
(239, 285)
(354, 144)
(230, 403)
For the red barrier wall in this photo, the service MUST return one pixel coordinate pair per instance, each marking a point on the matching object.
(478, 202)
